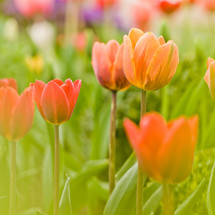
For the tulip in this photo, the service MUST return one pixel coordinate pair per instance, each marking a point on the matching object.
(16, 117)
(16, 112)
(149, 62)
(169, 6)
(164, 150)
(33, 7)
(56, 100)
(8, 82)
(210, 76)
(107, 61)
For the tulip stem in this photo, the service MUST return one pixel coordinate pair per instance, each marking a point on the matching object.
(168, 199)
(112, 143)
(140, 174)
(12, 207)
(56, 171)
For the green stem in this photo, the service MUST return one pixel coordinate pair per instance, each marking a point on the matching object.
(112, 144)
(56, 171)
(168, 199)
(140, 174)
(12, 207)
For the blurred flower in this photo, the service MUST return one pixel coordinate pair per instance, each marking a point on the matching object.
(16, 112)
(210, 76)
(169, 6)
(79, 40)
(207, 4)
(56, 100)
(142, 12)
(149, 62)
(8, 82)
(43, 35)
(11, 29)
(164, 150)
(29, 8)
(106, 3)
(107, 61)
(35, 64)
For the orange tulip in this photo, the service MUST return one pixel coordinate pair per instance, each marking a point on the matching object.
(210, 76)
(169, 6)
(149, 62)
(8, 82)
(56, 100)
(107, 61)
(16, 112)
(165, 151)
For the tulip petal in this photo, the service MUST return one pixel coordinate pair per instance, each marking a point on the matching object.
(153, 130)
(162, 67)
(101, 64)
(22, 115)
(133, 133)
(54, 103)
(211, 79)
(161, 40)
(58, 82)
(143, 53)
(194, 126)
(119, 78)
(128, 62)
(10, 82)
(209, 61)
(38, 88)
(111, 49)
(135, 35)
(8, 99)
(177, 154)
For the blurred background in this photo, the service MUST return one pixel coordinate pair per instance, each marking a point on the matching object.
(47, 39)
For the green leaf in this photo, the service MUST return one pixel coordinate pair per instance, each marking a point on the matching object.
(151, 198)
(211, 193)
(123, 195)
(32, 211)
(65, 201)
(186, 207)
(126, 166)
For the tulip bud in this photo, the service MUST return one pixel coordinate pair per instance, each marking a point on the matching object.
(107, 61)
(149, 62)
(210, 76)
(165, 151)
(56, 100)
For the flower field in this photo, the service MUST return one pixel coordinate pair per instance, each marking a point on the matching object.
(107, 107)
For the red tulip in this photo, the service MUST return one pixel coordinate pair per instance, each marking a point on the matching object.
(107, 61)
(8, 82)
(207, 4)
(169, 6)
(16, 112)
(164, 150)
(29, 8)
(56, 100)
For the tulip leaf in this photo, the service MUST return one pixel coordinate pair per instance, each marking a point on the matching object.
(32, 211)
(152, 196)
(65, 201)
(186, 206)
(123, 194)
(126, 166)
(211, 193)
